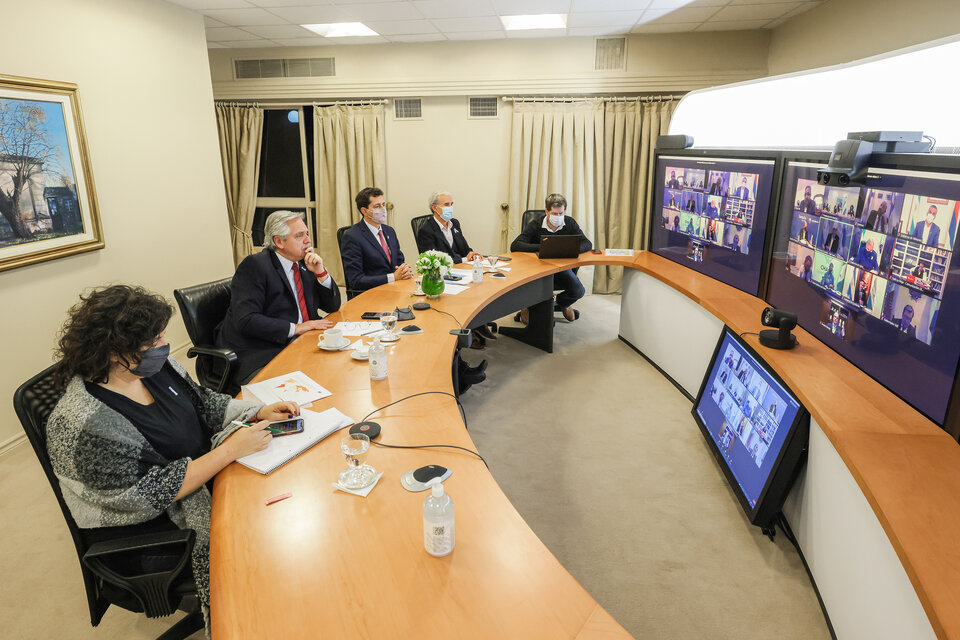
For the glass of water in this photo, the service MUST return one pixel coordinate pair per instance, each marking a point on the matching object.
(492, 261)
(389, 323)
(357, 475)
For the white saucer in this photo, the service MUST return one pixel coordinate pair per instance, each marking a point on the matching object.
(343, 345)
(389, 338)
(419, 294)
(356, 354)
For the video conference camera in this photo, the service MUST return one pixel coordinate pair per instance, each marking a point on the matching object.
(781, 338)
(850, 157)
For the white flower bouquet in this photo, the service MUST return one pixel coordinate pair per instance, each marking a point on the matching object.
(435, 264)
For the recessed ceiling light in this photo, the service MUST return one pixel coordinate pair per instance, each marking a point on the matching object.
(341, 29)
(541, 21)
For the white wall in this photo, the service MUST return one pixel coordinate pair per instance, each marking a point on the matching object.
(144, 80)
(840, 31)
(448, 150)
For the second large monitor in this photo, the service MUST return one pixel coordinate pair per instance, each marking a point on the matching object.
(710, 212)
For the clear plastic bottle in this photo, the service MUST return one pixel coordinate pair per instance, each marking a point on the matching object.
(378, 360)
(477, 271)
(438, 524)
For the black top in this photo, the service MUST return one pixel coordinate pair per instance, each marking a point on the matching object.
(430, 236)
(529, 238)
(171, 424)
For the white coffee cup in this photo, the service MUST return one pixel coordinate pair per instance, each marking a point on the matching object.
(331, 338)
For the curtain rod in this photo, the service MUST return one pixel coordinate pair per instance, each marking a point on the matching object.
(657, 98)
(237, 103)
(351, 102)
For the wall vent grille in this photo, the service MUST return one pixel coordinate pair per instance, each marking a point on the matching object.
(485, 107)
(284, 68)
(611, 54)
(407, 108)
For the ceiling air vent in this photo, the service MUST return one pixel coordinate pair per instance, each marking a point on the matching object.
(483, 107)
(284, 68)
(611, 54)
(407, 108)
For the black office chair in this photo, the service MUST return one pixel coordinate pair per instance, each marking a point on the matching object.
(351, 293)
(106, 566)
(416, 224)
(528, 216)
(203, 307)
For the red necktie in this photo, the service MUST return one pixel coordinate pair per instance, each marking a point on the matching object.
(300, 299)
(383, 243)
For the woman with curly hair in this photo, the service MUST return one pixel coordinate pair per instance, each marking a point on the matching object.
(134, 440)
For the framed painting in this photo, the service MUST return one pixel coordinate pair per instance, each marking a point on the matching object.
(48, 207)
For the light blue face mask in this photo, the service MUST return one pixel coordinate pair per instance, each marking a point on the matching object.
(446, 213)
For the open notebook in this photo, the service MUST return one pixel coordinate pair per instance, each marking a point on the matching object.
(316, 427)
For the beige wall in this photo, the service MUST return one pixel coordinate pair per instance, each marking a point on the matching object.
(840, 31)
(654, 63)
(144, 81)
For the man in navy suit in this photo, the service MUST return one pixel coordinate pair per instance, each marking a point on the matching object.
(443, 232)
(275, 294)
(743, 191)
(928, 232)
(370, 249)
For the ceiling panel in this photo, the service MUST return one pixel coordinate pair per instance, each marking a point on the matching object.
(249, 21)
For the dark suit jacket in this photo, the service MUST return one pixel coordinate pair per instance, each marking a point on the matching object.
(934, 233)
(431, 237)
(262, 306)
(529, 238)
(365, 265)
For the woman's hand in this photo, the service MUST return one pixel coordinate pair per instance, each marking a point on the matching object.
(278, 411)
(247, 440)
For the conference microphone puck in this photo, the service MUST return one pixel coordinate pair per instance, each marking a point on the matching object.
(370, 429)
(421, 306)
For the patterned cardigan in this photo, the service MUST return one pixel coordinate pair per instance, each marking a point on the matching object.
(111, 476)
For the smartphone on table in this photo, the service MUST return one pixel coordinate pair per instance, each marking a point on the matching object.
(286, 427)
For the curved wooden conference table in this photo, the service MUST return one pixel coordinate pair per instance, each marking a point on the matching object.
(326, 564)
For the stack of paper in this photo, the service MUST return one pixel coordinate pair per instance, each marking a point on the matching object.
(295, 387)
(316, 427)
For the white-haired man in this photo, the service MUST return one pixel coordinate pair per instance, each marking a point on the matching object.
(443, 232)
(275, 295)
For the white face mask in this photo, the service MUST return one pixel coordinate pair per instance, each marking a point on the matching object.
(379, 215)
(556, 220)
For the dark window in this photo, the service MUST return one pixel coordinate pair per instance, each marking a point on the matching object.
(308, 136)
(260, 217)
(281, 164)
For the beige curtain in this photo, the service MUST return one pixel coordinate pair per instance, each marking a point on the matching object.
(630, 131)
(240, 129)
(349, 154)
(555, 148)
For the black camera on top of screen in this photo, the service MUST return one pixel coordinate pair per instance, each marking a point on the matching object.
(850, 157)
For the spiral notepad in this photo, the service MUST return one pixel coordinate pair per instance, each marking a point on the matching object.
(316, 427)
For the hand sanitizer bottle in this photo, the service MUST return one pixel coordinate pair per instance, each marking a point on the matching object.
(378, 360)
(438, 534)
(477, 271)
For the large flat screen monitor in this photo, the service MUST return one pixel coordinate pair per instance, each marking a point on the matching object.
(755, 426)
(869, 270)
(710, 213)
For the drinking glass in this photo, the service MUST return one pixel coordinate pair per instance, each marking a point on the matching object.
(418, 279)
(389, 323)
(357, 475)
(492, 260)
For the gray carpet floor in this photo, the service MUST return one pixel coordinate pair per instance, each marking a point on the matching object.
(600, 455)
(595, 449)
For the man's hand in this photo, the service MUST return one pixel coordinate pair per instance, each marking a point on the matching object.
(314, 262)
(403, 272)
(473, 255)
(312, 325)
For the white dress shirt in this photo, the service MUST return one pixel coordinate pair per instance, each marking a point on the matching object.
(447, 231)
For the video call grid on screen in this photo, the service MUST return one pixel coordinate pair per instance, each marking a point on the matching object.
(748, 414)
(712, 215)
(868, 271)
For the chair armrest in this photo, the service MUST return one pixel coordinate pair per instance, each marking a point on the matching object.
(150, 585)
(224, 354)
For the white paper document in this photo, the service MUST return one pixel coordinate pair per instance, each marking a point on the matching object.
(316, 427)
(295, 387)
(454, 289)
(357, 328)
(618, 252)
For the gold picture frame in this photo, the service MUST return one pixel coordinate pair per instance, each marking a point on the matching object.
(48, 204)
